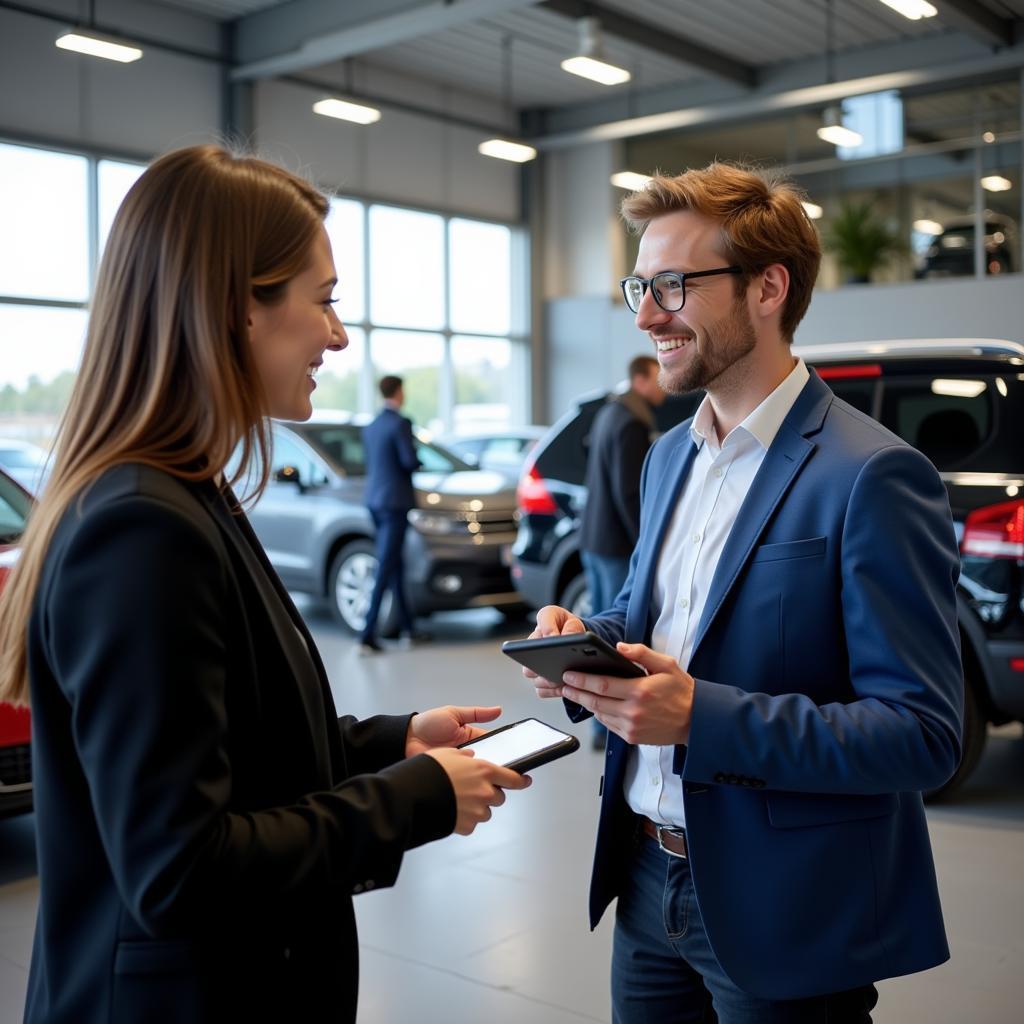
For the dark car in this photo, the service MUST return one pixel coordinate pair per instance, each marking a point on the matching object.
(951, 254)
(15, 724)
(319, 536)
(960, 401)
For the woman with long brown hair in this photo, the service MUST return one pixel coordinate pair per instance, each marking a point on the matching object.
(203, 816)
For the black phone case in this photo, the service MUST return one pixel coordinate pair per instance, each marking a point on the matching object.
(552, 656)
(525, 764)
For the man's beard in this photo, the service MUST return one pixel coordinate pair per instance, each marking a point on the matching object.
(721, 346)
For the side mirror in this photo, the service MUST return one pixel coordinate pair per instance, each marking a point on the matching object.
(288, 475)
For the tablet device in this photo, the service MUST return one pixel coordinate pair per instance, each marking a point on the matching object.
(553, 656)
(523, 746)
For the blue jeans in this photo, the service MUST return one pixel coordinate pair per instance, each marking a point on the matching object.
(605, 576)
(391, 525)
(664, 971)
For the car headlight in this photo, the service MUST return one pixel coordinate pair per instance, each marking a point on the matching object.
(435, 523)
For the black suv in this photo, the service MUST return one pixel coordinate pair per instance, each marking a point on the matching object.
(960, 401)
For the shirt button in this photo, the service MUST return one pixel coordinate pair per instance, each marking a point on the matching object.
(696, 538)
(370, 884)
(654, 780)
(684, 602)
(718, 472)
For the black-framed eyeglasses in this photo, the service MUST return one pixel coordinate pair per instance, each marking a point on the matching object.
(668, 287)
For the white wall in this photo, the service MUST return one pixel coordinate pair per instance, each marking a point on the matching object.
(166, 100)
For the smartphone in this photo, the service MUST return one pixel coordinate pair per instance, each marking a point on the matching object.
(523, 746)
(552, 656)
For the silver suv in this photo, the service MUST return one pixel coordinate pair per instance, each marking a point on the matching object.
(319, 536)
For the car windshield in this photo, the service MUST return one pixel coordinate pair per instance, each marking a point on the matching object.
(14, 506)
(22, 458)
(342, 443)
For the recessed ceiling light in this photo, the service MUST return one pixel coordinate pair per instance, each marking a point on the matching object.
(996, 183)
(915, 10)
(631, 181)
(344, 110)
(94, 46)
(504, 149)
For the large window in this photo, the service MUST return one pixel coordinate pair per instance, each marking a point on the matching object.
(432, 299)
(426, 296)
(56, 209)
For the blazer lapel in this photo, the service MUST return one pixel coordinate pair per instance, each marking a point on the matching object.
(662, 509)
(782, 462)
(292, 633)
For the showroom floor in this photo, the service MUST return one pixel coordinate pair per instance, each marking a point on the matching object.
(493, 927)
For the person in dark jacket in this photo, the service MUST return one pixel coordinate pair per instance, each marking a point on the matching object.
(203, 815)
(619, 439)
(390, 463)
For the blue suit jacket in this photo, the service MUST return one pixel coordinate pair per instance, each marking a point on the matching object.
(390, 462)
(829, 694)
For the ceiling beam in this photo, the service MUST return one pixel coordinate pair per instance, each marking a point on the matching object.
(976, 20)
(652, 37)
(304, 34)
(918, 64)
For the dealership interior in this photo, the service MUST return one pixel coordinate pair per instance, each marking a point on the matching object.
(475, 154)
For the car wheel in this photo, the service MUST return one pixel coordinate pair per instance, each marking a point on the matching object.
(350, 588)
(975, 733)
(576, 597)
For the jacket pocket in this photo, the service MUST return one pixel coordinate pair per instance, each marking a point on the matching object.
(805, 810)
(790, 549)
(154, 957)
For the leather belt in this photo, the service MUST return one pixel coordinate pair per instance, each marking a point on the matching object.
(671, 840)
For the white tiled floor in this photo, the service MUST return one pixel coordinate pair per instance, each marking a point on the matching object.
(493, 927)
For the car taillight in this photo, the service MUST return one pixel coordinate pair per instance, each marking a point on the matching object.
(533, 496)
(849, 372)
(996, 531)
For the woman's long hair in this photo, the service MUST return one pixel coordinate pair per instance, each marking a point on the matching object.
(167, 376)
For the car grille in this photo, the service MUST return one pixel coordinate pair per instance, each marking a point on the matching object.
(15, 765)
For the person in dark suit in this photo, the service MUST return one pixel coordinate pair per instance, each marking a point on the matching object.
(792, 599)
(203, 815)
(619, 439)
(390, 463)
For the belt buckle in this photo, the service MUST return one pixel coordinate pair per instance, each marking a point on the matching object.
(672, 832)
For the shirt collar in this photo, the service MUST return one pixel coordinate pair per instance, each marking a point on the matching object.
(764, 422)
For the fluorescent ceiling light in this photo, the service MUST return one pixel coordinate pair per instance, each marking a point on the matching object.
(928, 227)
(813, 210)
(631, 181)
(596, 70)
(912, 9)
(996, 183)
(589, 61)
(343, 110)
(503, 149)
(839, 136)
(93, 46)
(958, 388)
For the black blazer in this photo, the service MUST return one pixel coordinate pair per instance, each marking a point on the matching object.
(203, 816)
(619, 443)
(390, 462)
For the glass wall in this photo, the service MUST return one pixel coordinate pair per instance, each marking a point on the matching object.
(425, 296)
(932, 190)
(429, 298)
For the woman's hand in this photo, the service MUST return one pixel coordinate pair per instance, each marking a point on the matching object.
(479, 785)
(445, 727)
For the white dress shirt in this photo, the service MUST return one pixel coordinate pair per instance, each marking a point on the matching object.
(710, 500)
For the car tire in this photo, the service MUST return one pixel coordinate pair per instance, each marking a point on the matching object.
(576, 597)
(975, 733)
(350, 588)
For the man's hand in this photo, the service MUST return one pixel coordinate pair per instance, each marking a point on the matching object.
(552, 621)
(655, 709)
(479, 785)
(445, 727)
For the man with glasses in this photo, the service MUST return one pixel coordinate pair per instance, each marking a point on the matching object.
(792, 599)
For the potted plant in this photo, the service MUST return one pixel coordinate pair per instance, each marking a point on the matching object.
(861, 241)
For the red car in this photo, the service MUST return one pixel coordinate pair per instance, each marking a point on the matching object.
(15, 727)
